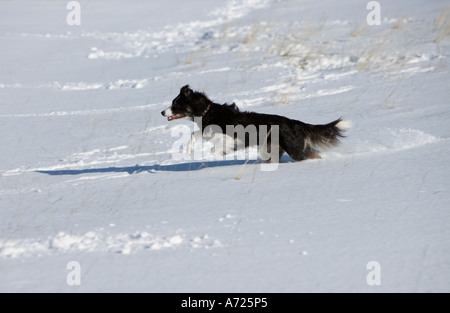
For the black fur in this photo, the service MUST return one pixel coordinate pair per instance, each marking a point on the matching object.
(298, 139)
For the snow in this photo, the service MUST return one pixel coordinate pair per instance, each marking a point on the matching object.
(88, 171)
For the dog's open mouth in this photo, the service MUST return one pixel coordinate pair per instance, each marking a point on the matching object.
(176, 116)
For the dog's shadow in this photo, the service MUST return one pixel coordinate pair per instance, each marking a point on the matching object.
(181, 167)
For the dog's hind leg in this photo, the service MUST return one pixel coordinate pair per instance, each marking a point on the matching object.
(313, 154)
(297, 150)
(298, 154)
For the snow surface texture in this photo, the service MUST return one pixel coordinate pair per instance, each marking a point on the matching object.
(87, 172)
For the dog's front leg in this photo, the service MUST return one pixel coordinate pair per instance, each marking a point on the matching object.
(194, 136)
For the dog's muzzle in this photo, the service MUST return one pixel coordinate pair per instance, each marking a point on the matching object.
(170, 115)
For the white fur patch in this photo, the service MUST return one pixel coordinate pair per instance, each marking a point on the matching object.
(168, 112)
(344, 125)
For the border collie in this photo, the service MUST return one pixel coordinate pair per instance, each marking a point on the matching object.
(298, 139)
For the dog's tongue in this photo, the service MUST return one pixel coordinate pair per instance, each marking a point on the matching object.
(175, 117)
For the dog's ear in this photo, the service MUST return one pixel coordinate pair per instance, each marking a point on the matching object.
(186, 91)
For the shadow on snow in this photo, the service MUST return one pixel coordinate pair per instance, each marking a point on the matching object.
(181, 167)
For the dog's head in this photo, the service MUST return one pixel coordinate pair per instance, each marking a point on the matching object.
(187, 104)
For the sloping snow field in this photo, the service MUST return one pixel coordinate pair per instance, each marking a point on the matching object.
(88, 171)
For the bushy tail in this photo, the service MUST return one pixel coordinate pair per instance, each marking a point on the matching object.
(325, 136)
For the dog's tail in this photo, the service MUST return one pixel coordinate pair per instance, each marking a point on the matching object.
(325, 136)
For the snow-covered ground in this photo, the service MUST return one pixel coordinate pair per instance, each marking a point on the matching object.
(87, 170)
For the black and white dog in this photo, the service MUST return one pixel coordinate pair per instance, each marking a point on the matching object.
(298, 139)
